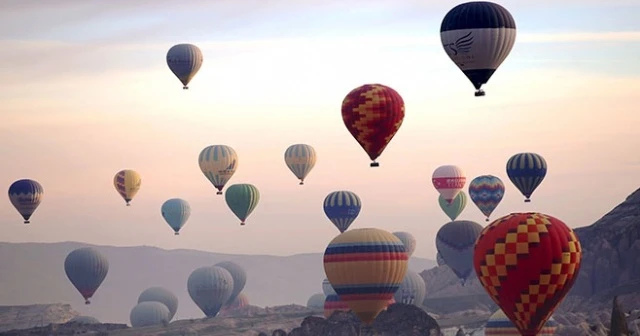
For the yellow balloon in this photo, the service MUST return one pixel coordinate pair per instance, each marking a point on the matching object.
(366, 267)
(127, 183)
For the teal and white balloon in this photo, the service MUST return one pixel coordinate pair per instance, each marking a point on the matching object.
(176, 212)
(412, 290)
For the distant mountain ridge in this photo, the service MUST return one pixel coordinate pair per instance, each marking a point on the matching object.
(33, 273)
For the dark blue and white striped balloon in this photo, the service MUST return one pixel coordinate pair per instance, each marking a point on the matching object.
(342, 208)
(26, 195)
(526, 171)
(478, 36)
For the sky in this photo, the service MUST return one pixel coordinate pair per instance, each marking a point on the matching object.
(86, 92)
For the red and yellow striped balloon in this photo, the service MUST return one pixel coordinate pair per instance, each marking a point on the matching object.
(527, 262)
(373, 113)
(365, 267)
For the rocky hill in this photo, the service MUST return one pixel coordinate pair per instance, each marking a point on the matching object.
(33, 273)
(610, 267)
(398, 319)
(24, 317)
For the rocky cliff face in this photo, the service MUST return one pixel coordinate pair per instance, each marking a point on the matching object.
(23, 317)
(610, 266)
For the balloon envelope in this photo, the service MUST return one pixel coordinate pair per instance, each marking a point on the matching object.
(210, 288)
(218, 163)
(373, 114)
(146, 314)
(239, 276)
(342, 208)
(127, 183)
(448, 181)
(408, 240)
(527, 263)
(25, 195)
(486, 192)
(365, 267)
(478, 36)
(455, 241)
(300, 159)
(526, 171)
(455, 208)
(162, 295)
(333, 303)
(184, 60)
(86, 268)
(412, 290)
(175, 212)
(316, 301)
(327, 289)
(242, 199)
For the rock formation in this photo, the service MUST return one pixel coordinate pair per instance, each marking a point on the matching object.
(23, 317)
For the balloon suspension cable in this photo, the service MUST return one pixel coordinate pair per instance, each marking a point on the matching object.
(27, 222)
(374, 164)
(479, 93)
(219, 192)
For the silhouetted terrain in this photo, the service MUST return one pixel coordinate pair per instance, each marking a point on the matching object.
(33, 273)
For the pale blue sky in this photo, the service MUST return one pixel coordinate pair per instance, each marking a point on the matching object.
(80, 79)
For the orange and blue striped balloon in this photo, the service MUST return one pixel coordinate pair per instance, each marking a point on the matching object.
(366, 267)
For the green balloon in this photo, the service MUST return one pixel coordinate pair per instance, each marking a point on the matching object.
(242, 199)
(454, 209)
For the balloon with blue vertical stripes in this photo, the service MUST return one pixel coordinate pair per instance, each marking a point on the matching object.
(526, 171)
(300, 159)
(366, 267)
(218, 163)
(26, 195)
(342, 208)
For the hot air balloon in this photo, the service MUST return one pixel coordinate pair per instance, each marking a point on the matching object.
(26, 195)
(127, 183)
(455, 208)
(448, 181)
(478, 37)
(455, 241)
(316, 302)
(240, 301)
(408, 240)
(486, 191)
(86, 268)
(365, 267)
(242, 199)
(333, 303)
(527, 262)
(210, 288)
(300, 159)
(342, 208)
(412, 290)
(218, 163)
(162, 295)
(500, 325)
(239, 277)
(373, 113)
(176, 212)
(526, 171)
(184, 60)
(327, 289)
(150, 313)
